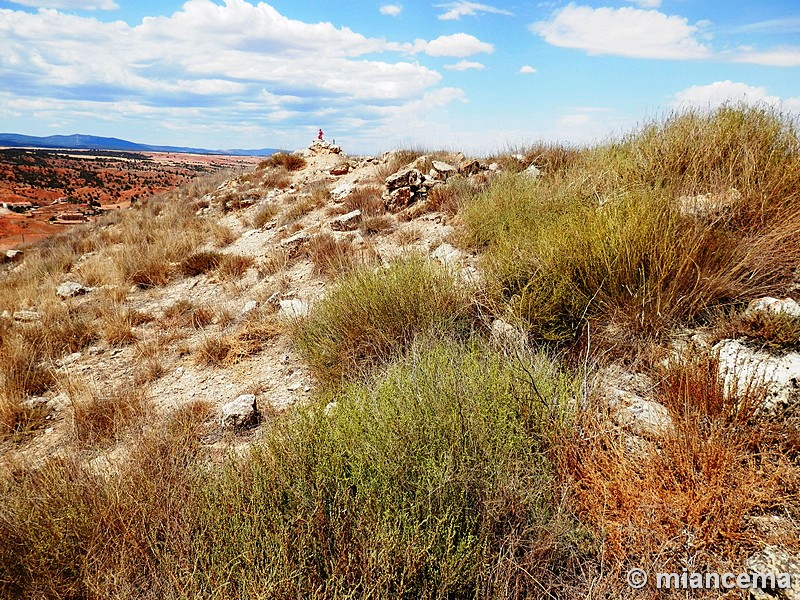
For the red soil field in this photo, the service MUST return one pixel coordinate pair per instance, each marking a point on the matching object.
(77, 185)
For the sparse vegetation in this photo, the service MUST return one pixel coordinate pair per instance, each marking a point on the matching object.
(370, 316)
(431, 457)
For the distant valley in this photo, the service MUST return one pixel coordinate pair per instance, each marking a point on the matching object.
(44, 190)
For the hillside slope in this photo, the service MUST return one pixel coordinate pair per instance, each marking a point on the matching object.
(417, 375)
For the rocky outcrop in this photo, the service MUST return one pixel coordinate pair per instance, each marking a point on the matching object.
(241, 413)
(321, 147)
(629, 400)
(69, 289)
(777, 562)
(744, 370)
(346, 222)
(768, 305)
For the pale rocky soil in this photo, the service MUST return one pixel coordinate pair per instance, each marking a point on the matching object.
(276, 375)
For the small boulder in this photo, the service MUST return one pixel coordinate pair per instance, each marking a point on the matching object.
(644, 418)
(69, 289)
(443, 169)
(532, 171)
(405, 178)
(342, 191)
(346, 222)
(241, 413)
(507, 337)
(448, 255)
(295, 242)
(293, 309)
(767, 304)
(342, 168)
(469, 167)
(26, 316)
(784, 568)
(13, 255)
(741, 369)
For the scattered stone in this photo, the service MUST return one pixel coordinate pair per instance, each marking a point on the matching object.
(347, 222)
(399, 199)
(69, 289)
(742, 369)
(775, 561)
(342, 191)
(407, 178)
(507, 337)
(448, 255)
(241, 413)
(13, 255)
(787, 307)
(628, 397)
(330, 407)
(26, 316)
(295, 242)
(469, 167)
(342, 168)
(248, 307)
(293, 309)
(644, 418)
(443, 169)
(532, 171)
(69, 359)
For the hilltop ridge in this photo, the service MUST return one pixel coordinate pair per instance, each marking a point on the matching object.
(418, 374)
(77, 141)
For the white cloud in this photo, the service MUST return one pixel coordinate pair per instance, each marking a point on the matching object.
(241, 64)
(457, 45)
(624, 31)
(781, 57)
(646, 3)
(70, 4)
(465, 65)
(456, 10)
(391, 10)
(722, 92)
(527, 69)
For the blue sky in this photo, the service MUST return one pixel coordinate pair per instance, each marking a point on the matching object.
(481, 77)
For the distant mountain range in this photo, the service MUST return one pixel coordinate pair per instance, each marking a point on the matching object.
(92, 142)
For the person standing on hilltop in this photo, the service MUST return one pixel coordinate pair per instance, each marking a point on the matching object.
(319, 135)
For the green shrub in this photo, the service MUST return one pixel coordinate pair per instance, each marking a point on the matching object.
(372, 315)
(610, 242)
(429, 482)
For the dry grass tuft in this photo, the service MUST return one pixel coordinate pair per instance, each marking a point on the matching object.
(102, 418)
(249, 339)
(330, 256)
(291, 162)
(684, 501)
(273, 262)
(234, 266)
(200, 263)
(368, 199)
(263, 214)
(377, 224)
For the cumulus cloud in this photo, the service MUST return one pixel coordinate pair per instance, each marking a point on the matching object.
(456, 10)
(626, 31)
(646, 3)
(780, 57)
(70, 4)
(238, 63)
(457, 45)
(465, 65)
(722, 92)
(527, 69)
(391, 10)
